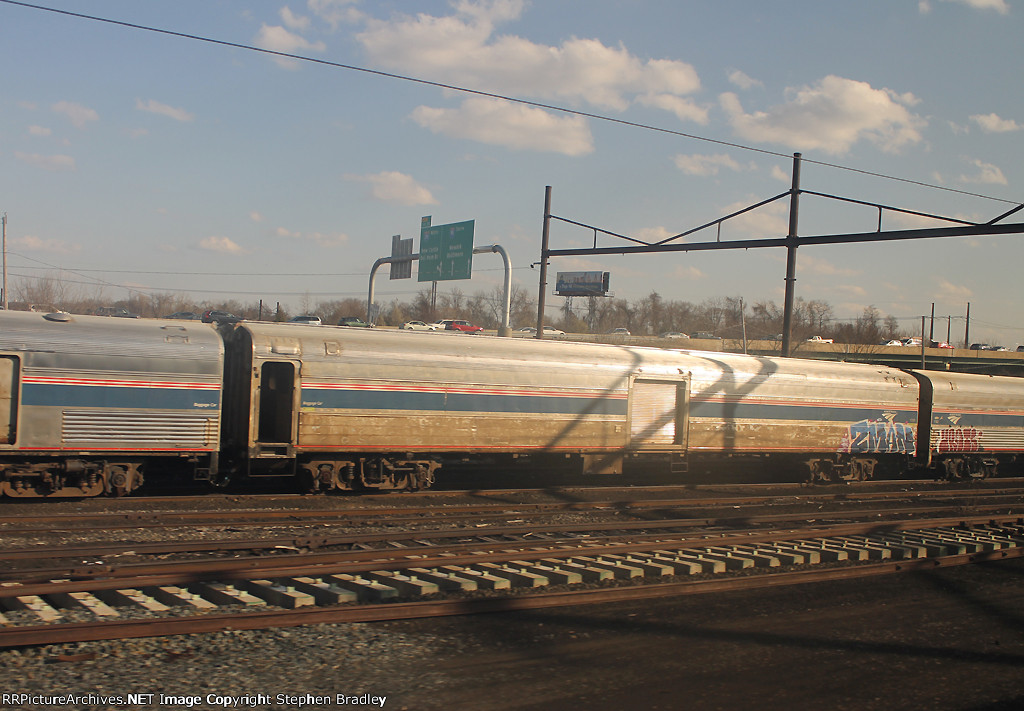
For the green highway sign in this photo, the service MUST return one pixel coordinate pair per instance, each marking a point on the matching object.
(446, 252)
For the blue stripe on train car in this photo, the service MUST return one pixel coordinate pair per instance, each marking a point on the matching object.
(361, 399)
(978, 419)
(39, 395)
(718, 410)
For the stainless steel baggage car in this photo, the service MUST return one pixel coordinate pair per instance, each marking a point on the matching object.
(88, 404)
(976, 422)
(352, 409)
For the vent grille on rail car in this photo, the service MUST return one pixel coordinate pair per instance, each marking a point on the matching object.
(170, 431)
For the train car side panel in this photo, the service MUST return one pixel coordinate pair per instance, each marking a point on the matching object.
(801, 407)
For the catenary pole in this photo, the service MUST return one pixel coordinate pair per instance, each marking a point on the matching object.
(791, 245)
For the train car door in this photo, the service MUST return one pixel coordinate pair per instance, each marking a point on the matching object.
(658, 411)
(276, 406)
(8, 401)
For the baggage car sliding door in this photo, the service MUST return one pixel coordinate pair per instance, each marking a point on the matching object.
(658, 410)
(8, 413)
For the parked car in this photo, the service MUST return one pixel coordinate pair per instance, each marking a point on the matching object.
(552, 331)
(819, 339)
(311, 320)
(417, 326)
(353, 322)
(458, 324)
(1020, 349)
(706, 336)
(185, 316)
(115, 311)
(619, 332)
(674, 334)
(219, 317)
(980, 347)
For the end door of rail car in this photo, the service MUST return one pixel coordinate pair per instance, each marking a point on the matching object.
(8, 411)
(275, 408)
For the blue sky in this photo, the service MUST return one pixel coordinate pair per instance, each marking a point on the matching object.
(140, 160)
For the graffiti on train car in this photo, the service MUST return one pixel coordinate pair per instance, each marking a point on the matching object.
(878, 436)
(959, 439)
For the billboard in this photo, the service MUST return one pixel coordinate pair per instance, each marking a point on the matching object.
(582, 283)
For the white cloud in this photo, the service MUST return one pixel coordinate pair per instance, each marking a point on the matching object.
(999, 6)
(76, 113)
(324, 240)
(155, 107)
(392, 186)
(334, 12)
(768, 221)
(684, 109)
(31, 243)
(54, 162)
(293, 21)
(991, 123)
(39, 131)
(463, 49)
(948, 291)
(256, 216)
(740, 79)
(223, 245)
(708, 165)
(987, 174)
(512, 125)
(277, 39)
(831, 116)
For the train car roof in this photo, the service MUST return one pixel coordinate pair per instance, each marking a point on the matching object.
(103, 336)
(312, 342)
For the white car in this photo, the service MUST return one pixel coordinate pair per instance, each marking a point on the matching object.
(418, 326)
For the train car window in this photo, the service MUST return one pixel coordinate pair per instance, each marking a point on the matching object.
(277, 398)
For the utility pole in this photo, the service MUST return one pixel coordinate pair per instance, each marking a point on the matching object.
(3, 219)
(544, 239)
(967, 327)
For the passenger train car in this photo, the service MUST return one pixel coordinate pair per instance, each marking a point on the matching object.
(88, 405)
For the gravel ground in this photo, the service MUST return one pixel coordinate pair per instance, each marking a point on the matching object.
(947, 639)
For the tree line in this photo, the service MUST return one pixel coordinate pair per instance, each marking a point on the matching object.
(651, 315)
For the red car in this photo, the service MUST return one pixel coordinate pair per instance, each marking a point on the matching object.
(450, 324)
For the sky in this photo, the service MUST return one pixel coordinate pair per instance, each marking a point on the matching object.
(161, 163)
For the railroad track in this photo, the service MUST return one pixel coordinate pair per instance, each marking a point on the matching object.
(373, 585)
(636, 503)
